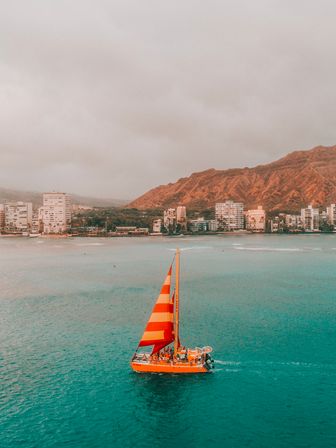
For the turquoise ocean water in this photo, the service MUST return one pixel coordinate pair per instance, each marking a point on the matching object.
(72, 312)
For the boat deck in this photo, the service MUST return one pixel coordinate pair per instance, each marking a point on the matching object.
(169, 367)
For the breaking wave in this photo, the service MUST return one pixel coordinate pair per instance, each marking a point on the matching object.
(269, 249)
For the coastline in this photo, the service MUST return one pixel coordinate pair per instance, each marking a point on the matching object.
(161, 236)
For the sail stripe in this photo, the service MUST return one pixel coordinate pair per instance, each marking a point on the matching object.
(159, 328)
(158, 345)
(160, 317)
(154, 326)
(163, 298)
(163, 307)
(153, 336)
(165, 289)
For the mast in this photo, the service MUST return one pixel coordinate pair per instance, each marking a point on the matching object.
(177, 294)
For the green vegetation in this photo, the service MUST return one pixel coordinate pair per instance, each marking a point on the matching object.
(110, 218)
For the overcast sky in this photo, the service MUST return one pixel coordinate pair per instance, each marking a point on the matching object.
(111, 98)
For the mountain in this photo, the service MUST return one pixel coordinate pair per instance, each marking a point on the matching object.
(36, 198)
(298, 179)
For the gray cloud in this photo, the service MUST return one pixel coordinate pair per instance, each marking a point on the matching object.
(111, 98)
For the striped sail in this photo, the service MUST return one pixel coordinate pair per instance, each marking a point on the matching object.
(159, 330)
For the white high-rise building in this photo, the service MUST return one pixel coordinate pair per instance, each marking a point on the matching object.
(331, 214)
(181, 217)
(2, 216)
(18, 216)
(229, 215)
(293, 222)
(256, 219)
(56, 212)
(169, 219)
(310, 219)
(36, 227)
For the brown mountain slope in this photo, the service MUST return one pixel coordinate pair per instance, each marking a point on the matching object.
(297, 179)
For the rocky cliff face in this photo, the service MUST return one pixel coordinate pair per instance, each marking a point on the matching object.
(297, 179)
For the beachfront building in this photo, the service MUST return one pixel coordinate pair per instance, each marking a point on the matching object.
(256, 219)
(293, 222)
(323, 219)
(277, 224)
(274, 224)
(18, 216)
(157, 224)
(229, 215)
(169, 220)
(181, 217)
(212, 225)
(202, 225)
(56, 213)
(198, 225)
(37, 225)
(2, 217)
(331, 214)
(310, 219)
(131, 230)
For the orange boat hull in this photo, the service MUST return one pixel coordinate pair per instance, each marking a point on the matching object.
(168, 368)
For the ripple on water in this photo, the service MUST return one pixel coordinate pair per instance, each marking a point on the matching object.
(69, 325)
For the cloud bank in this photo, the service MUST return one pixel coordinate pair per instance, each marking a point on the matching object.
(111, 98)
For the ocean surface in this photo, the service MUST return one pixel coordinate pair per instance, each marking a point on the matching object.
(72, 312)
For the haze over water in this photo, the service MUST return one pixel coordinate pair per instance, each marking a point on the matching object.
(72, 312)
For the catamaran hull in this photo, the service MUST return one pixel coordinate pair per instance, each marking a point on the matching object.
(168, 368)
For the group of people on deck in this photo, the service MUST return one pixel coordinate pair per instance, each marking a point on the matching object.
(167, 355)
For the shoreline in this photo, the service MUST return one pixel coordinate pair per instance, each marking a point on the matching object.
(178, 236)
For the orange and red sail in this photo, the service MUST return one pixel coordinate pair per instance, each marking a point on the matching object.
(159, 331)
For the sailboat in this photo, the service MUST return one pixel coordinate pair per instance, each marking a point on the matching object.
(168, 355)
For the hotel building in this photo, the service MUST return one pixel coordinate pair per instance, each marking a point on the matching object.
(293, 222)
(2, 216)
(181, 217)
(331, 214)
(256, 219)
(18, 216)
(56, 212)
(229, 215)
(310, 219)
(169, 219)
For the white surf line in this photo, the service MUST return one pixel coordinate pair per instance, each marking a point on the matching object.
(184, 249)
(269, 249)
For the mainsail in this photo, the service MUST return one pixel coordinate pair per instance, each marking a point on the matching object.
(159, 330)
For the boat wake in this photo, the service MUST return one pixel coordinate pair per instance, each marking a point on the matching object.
(227, 363)
(262, 367)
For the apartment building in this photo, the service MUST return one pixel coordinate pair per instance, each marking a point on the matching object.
(18, 216)
(56, 213)
(2, 217)
(181, 217)
(293, 222)
(229, 215)
(331, 214)
(310, 219)
(169, 219)
(256, 219)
